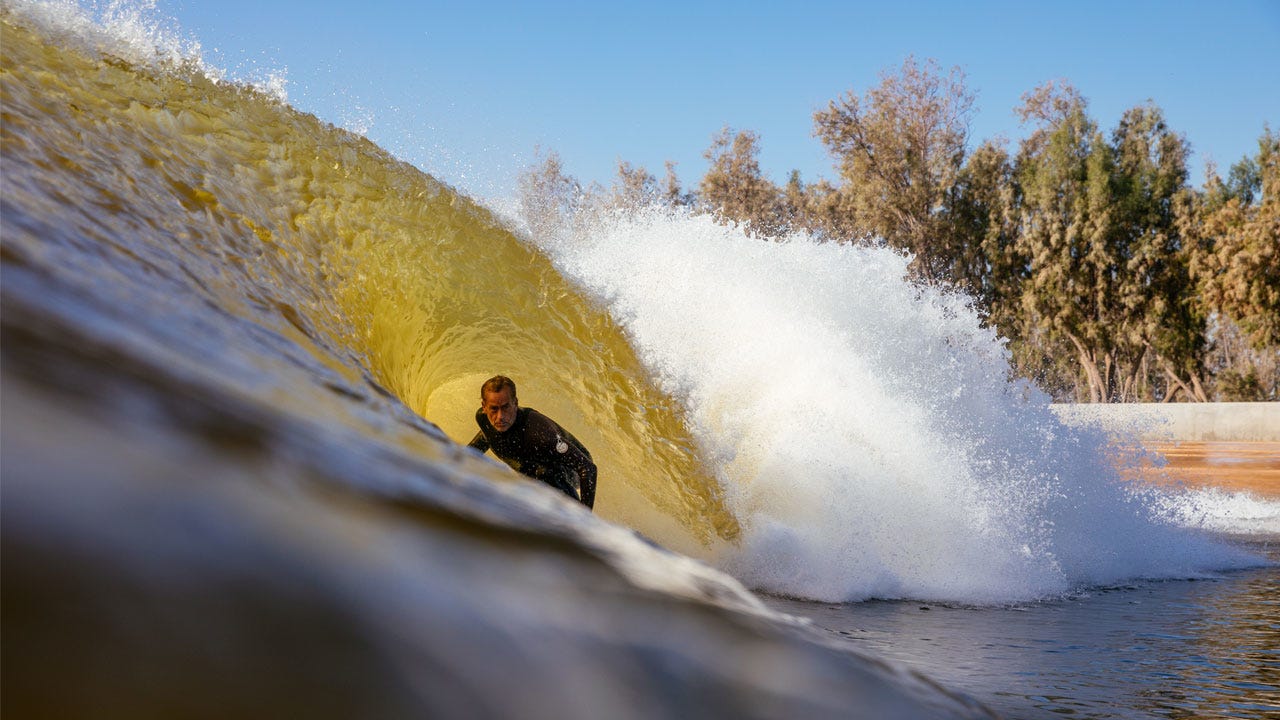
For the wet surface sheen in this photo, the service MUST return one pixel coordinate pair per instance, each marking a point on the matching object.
(1207, 648)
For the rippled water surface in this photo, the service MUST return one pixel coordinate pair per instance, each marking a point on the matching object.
(1207, 648)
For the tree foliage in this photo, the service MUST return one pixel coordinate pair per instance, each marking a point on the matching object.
(1106, 278)
(1069, 293)
(547, 195)
(735, 186)
(634, 187)
(1236, 256)
(1111, 278)
(899, 150)
(978, 249)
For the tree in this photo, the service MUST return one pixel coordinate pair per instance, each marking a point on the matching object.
(1158, 301)
(1239, 371)
(547, 195)
(1107, 274)
(979, 241)
(1235, 256)
(899, 151)
(1062, 170)
(822, 209)
(734, 187)
(634, 187)
(672, 195)
(793, 202)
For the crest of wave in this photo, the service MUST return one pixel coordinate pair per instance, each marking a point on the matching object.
(134, 31)
(865, 428)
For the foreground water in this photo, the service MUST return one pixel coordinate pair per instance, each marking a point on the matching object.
(1207, 648)
(239, 346)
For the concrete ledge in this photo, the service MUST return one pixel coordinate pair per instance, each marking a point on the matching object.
(1181, 422)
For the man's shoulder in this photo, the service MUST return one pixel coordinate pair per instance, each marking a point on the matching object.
(538, 425)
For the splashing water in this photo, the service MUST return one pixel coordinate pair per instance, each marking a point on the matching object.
(865, 428)
(136, 32)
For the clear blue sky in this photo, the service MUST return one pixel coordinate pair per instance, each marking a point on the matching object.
(467, 90)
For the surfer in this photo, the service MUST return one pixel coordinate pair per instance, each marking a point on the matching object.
(532, 443)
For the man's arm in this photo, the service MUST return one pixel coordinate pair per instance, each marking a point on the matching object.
(556, 449)
(479, 442)
(574, 457)
(587, 476)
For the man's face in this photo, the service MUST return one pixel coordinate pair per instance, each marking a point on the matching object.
(500, 408)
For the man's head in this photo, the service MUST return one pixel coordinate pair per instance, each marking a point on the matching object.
(498, 402)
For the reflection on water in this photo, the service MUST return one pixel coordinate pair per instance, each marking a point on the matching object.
(1238, 466)
(1207, 648)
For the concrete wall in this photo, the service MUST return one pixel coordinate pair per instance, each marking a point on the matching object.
(1182, 422)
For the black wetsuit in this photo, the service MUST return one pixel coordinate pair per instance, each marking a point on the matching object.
(539, 448)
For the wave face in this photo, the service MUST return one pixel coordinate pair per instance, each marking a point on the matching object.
(795, 413)
(265, 213)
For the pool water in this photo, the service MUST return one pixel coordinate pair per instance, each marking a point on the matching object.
(1202, 648)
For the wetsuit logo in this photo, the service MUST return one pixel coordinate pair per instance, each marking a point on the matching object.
(561, 446)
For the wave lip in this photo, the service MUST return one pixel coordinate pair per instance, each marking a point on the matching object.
(136, 32)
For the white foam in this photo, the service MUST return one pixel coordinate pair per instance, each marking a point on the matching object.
(865, 428)
(132, 30)
(135, 31)
(1216, 510)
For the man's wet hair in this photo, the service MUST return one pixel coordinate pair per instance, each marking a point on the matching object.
(496, 384)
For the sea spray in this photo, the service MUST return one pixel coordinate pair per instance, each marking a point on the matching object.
(137, 32)
(866, 429)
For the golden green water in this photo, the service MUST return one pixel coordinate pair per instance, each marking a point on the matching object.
(267, 213)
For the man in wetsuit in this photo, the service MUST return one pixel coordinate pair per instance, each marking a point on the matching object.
(532, 443)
